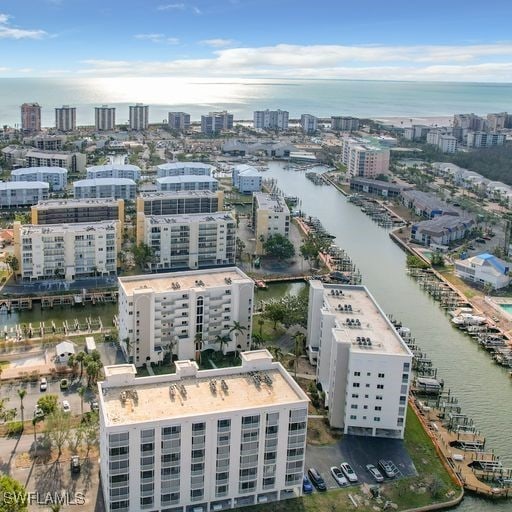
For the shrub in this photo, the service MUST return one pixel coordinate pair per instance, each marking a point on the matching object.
(14, 428)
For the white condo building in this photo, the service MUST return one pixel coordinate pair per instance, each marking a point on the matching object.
(270, 216)
(186, 182)
(139, 117)
(56, 177)
(22, 193)
(189, 241)
(485, 139)
(68, 251)
(363, 365)
(115, 188)
(179, 121)
(247, 179)
(271, 119)
(183, 313)
(201, 440)
(216, 122)
(104, 118)
(184, 169)
(132, 172)
(308, 123)
(65, 118)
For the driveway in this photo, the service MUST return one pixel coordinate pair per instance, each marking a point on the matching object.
(359, 451)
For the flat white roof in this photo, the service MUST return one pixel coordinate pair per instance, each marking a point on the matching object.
(258, 383)
(360, 319)
(71, 203)
(174, 281)
(187, 178)
(10, 185)
(102, 225)
(98, 182)
(186, 165)
(189, 218)
(32, 170)
(111, 167)
(177, 194)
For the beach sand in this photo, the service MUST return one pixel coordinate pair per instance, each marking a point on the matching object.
(404, 122)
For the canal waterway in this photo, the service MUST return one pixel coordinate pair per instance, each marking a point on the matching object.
(484, 389)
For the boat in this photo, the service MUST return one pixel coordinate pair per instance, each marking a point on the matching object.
(261, 285)
(78, 299)
(468, 319)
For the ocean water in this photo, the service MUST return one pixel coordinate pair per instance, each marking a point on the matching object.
(323, 98)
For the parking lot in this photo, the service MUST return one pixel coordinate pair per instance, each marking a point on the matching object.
(358, 452)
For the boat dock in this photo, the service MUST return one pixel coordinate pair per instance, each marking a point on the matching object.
(457, 440)
(50, 301)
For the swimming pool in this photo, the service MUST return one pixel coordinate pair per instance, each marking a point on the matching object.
(507, 308)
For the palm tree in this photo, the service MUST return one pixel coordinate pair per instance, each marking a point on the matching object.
(222, 341)
(257, 340)
(81, 393)
(261, 323)
(298, 338)
(21, 393)
(80, 358)
(237, 329)
(93, 371)
(276, 352)
(73, 363)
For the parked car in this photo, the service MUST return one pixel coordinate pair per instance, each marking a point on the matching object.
(38, 412)
(65, 406)
(94, 406)
(64, 384)
(338, 475)
(377, 475)
(75, 464)
(388, 468)
(349, 472)
(480, 241)
(43, 384)
(316, 479)
(307, 486)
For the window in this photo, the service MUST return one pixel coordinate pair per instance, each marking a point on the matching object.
(355, 385)
(357, 374)
(407, 367)
(381, 375)
(378, 397)
(355, 395)
(353, 417)
(353, 406)
(380, 386)
(376, 418)
(378, 408)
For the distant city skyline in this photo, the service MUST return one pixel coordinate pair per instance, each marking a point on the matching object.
(399, 40)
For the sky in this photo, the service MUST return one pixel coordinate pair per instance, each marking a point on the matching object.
(439, 40)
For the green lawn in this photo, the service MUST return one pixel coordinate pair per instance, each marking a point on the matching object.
(268, 333)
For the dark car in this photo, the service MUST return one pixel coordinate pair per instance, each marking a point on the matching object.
(316, 479)
(75, 464)
(307, 486)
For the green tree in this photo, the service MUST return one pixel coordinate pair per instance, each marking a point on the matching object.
(276, 352)
(13, 264)
(414, 261)
(142, 254)
(22, 393)
(312, 246)
(58, 425)
(93, 369)
(222, 341)
(278, 246)
(240, 246)
(48, 404)
(298, 342)
(274, 311)
(10, 487)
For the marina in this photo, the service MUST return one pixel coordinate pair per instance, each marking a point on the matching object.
(383, 265)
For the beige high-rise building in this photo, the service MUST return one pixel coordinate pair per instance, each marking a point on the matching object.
(139, 117)
(270, 216)
(31, 117)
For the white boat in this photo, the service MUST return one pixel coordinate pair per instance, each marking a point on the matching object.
(468, 319)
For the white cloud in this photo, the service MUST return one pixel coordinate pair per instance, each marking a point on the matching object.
(170, 7)
(486, 62)
(218, 43)
(197, 10)
(157, 38)
(8, 31)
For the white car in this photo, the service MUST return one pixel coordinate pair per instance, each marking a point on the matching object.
(349, 472)
(43, 384)
(338, 476)
(377, 475)
(38, 412)
(65, 406)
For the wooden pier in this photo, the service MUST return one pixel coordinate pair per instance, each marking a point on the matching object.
(50, 301)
